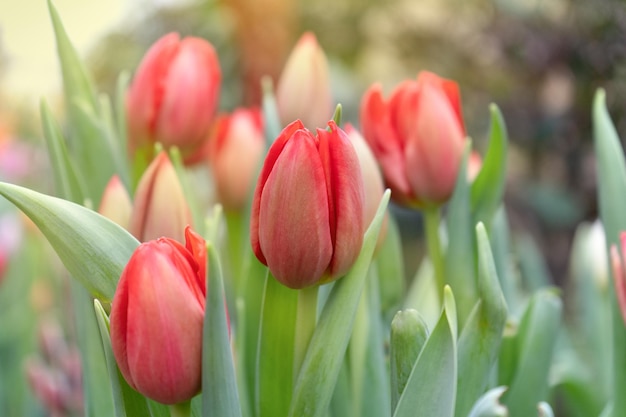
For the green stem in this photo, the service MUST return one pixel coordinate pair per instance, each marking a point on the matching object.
(306, 320)
(181, 409)
(234, 226)
(432, 218)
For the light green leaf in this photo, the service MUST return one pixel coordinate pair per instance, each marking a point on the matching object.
(317, 378)
(219, 385)
(481, 337)
(460, 264)
(273, 125)
(94, 249)
(611, 189)
(389, 265)
(431, 388)
(545, 410)
(534, 343)
(488, 187)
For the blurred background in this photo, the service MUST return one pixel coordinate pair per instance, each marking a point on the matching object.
(539, 60)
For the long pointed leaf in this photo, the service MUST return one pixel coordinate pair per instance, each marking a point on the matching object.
(93, 248)
(611, 188)
(219, 385)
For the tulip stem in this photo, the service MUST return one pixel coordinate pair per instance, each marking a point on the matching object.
(181, 409)
(306, 320)
(432, 218)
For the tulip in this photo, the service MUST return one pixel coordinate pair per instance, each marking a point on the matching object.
(174, 95)
(116, 204)
(237, 146)
(307, 210)
(303, 90)
(156, 318)
(160, 208)
(619, 274)
(372, 179)
(417, 137)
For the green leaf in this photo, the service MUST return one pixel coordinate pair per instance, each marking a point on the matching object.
(273, 125)
(275, 360)
(92, 152)
(460, 264)
(219, 385)
(98, 397)
(501, 247)
(389, 265)
(480, 339)
(611, 188)
(431, 388)
(68, 184)
(409, 333)
(322, 363)
(488, 187)
(489, 404)
(127, 401)
(532, 264)
(535, 342)
(94, 249)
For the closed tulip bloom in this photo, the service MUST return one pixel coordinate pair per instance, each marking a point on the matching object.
(173, 96)
(307, 212)
(303, 90)
(619, 273)
(156, 318)
(116, 204)
(160, 208)
(417, 136)
(237, 146)
(372, 179)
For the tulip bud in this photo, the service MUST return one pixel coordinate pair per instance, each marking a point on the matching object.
(116, 204)
(237, 147)
(303, 90)
(160, 208)
(474, 164)
(372, 180)
(417, 137)
(173, 96)
(156, 318)
(619, 274)
(307, 212)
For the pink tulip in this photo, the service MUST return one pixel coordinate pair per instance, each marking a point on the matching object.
(307, 212)
(235, 153)
(417, 137)
(156, 318)
(303, 90)
(160, 208)
(619, 274)
(174, 95)
(116, 204)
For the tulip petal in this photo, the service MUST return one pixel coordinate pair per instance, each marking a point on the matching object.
(272, 155)
(383, 140)
(297, 252)
(346, 197)
(449, 88)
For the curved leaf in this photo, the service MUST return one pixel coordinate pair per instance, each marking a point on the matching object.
(93, 248)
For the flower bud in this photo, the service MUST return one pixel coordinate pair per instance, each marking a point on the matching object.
(417, 137)
(160, 208)
(116, 204)
(235, 152)
(372, 180)
(307, 212)
(174, 95)
(303, 90)
(619, 273)
(156, 318)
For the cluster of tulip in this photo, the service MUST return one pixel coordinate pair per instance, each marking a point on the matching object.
(297, 321)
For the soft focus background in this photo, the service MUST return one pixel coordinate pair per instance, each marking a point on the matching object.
(539, 60)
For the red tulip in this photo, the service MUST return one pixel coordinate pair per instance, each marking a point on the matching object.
(303, 90)
(417, 137)
(307, 211)
(237, 147)
(174, 95)
(156, 318)
(160, 208)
